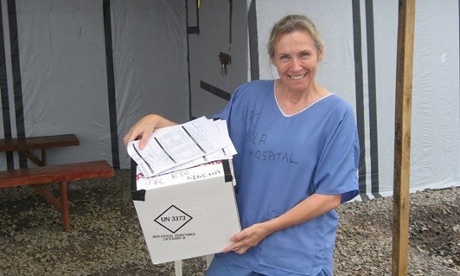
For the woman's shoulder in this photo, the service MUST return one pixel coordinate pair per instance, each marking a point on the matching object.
(338, 101)
(335, 104)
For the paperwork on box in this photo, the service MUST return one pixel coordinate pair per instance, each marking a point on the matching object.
(200, 172)
(183, 146)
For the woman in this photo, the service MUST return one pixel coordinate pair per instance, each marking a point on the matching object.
(297, 161)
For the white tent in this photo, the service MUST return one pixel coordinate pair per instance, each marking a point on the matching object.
(95, 67)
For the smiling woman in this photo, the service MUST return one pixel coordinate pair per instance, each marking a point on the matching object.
(287, 207)
(296, 50)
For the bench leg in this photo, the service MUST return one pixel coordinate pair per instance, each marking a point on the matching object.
(34, 158)
(64, 205)
(60, 204)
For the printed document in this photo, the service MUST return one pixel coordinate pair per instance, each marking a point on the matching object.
(183, 146)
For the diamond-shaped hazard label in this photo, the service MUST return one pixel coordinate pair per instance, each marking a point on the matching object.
(173, 219)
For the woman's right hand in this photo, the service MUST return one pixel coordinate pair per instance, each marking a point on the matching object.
(144, 128)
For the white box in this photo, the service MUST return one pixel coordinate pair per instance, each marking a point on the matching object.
(188, 213)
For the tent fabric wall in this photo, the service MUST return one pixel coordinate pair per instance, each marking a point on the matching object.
(55, 69)
(436, 154)
(150, 60)
(222, 28)
(360, 65)
(58, 79)
(93, 68)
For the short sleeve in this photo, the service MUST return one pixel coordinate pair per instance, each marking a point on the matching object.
(337, 171)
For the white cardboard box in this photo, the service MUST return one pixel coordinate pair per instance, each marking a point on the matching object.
(188, 213)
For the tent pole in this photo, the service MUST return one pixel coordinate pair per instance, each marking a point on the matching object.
(402, 142)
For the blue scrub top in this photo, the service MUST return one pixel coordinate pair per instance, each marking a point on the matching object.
(281, 161)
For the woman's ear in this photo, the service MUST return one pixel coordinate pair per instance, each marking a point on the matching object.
(321, 54)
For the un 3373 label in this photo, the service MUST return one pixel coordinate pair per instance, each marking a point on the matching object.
(173, 218)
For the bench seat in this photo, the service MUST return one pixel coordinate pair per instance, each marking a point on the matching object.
(61, 174)
(30, 143)
(25, 145)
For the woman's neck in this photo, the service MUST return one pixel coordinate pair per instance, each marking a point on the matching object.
(291, 102)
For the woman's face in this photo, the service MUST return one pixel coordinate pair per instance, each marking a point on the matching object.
(296, 59)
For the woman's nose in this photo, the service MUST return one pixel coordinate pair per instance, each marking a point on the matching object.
(296, 64)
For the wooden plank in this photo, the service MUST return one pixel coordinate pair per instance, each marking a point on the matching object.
(30, 143)
(402, 142)
(55, 173)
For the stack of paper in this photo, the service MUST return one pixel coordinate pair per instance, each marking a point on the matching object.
(183, 146)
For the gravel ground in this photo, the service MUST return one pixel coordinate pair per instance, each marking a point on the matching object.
(106, 238)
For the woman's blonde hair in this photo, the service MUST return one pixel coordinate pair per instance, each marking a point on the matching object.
(290, 23)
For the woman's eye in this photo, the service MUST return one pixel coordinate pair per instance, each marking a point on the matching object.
(284, 58)
(305, 55)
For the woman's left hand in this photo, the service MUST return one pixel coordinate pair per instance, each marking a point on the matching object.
(247, 238)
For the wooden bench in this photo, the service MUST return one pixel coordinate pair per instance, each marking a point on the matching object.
(40, 176)
(24, 145)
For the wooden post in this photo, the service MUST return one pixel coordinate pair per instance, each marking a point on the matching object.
(402, 143)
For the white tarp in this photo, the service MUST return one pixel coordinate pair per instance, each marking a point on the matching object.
(62, 50)
(161, 64)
